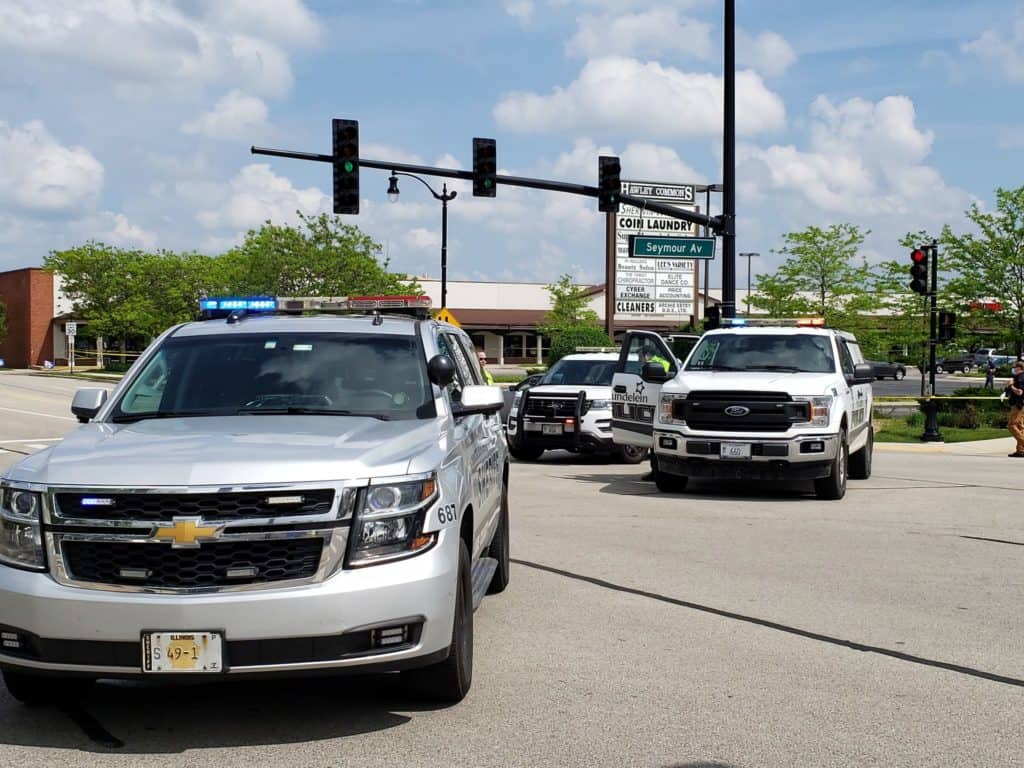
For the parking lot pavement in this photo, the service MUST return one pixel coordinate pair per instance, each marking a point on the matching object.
(734, 625)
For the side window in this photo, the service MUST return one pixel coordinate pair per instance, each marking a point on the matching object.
(845, 360)
(643, 349)
(469, 352)
(448, 345)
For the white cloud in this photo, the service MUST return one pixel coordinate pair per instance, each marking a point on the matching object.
(147, 43)
(420, 238)
(645, 99)
(864, 159)
(640, 161)
(768, 53)
(1004, 51)
(256, 194)
(39, 174)
(235, 116)
(122, 232)
(653, 32)
(519, 9)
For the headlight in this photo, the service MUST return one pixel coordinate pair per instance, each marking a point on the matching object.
(21, 538)
(389, 523)
(600, 405)
(665, 410)
(820, 407)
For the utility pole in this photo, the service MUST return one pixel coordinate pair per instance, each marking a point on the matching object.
(729, 166)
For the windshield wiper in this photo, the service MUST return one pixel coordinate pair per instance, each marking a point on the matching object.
(295, 410)
(714, 367)
(125, 418)
(786, 368)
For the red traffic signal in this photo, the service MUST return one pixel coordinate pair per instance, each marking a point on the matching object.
(919, 271)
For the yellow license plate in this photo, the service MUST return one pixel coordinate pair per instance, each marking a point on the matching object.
(182, 652)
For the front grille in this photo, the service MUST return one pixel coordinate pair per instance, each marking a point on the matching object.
(161, 566)
(551, 407)
(155, 507)
(766, 411)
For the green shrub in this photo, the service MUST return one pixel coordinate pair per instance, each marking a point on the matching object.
(566, 340)
(531, 371)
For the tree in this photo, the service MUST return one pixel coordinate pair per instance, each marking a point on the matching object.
(323, 257)
(777, 297)
(988, 267)
(570, 322)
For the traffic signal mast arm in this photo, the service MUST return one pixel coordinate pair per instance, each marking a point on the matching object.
(717, 223)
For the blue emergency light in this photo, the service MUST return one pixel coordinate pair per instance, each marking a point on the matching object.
(234, 303)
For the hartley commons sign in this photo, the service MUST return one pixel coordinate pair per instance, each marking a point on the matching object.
(656, 256)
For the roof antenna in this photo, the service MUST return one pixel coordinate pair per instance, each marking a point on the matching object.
(235, 316)
(378, 318)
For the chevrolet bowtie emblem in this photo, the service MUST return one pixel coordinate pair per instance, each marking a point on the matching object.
(187, 532)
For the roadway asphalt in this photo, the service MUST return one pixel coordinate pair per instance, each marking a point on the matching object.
(731, 626)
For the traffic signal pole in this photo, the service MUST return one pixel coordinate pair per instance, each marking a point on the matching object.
(728, 230)
(931, 407)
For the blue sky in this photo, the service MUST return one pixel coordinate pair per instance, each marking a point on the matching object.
(129, 121)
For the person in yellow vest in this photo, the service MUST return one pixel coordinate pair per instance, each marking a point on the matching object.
(488, 379)
(650, 356)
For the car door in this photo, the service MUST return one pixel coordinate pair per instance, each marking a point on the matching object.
(635, 401)
(484, 433)
(860, 394)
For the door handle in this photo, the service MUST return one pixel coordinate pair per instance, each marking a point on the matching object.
(620, 388)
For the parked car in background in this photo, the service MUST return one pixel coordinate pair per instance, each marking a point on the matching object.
(962, 362)
(883, 370)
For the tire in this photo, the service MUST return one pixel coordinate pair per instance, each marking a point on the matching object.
(939, 369)
(631, 454)
(833, 487)
(449, 681)
(965, 369)
(499, 549)
(524, 452)
(899, 375)
(45, 691)
(668, 483)
(860, 462)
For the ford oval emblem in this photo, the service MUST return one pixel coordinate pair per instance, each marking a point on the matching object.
(737, 410)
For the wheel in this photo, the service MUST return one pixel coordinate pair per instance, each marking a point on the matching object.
(860, 462)
(524, 452)
(966, 368)
(450, 680)
(668, 483)
(899, 375)
(631, 454)
(833, 487)
(939, 369)
(499, 548)
(42, 691)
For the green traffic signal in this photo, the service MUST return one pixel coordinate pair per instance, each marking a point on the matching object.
(349, 167)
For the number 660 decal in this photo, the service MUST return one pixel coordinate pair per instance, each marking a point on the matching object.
(447, 513)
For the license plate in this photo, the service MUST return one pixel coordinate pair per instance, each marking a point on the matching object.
(735, 450)
(531, 427)
(182, 652)
(552, 429)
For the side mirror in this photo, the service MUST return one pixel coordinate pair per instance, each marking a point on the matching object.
(479, 398)
(862, 374)
(655, 373)
(441, 370)
(87, 403)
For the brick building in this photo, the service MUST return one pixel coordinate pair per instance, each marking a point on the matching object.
(35, 305)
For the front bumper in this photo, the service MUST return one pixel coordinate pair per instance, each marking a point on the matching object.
(800, 457)
(595, 432)
(324, 626)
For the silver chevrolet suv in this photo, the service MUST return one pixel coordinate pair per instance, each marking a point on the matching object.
(263, 493)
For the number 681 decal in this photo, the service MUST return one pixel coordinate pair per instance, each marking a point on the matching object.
(447, 513)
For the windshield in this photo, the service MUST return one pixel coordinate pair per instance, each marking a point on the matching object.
(763, 352)
(596, 373)
(381, 376)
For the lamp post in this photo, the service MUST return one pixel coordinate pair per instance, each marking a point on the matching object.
(444, 197)
(707, 189)
(748, 256)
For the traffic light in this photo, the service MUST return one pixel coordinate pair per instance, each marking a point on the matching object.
(485, 167)
(947, 325)
(345, 136)
(919, 270)
(609, 186)
(712, 317)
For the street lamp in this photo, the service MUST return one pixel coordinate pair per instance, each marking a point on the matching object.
(444, 197)
(748, 256)
(707, 189)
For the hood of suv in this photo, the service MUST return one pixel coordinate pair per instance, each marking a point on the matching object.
(755, 381)
(230, 450)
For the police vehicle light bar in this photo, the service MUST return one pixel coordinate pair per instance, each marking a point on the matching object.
(224, 306)
(249, 304)
(773, 322)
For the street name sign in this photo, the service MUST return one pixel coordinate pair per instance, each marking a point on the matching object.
(672, 247)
